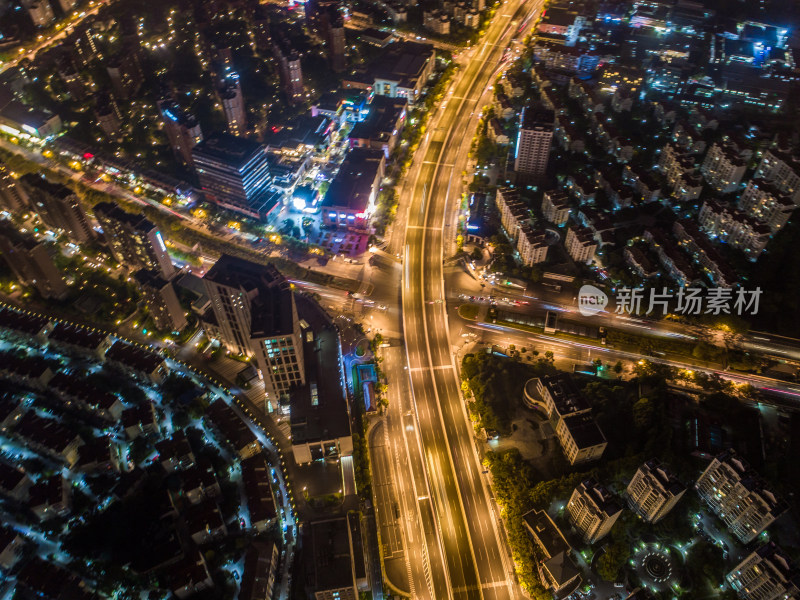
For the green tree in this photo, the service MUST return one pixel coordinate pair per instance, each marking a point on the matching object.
(610, 564)
(643, 413)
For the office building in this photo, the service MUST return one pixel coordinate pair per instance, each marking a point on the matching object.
(738, 496)
(555, 207)
(58, 207)
(766, 203)
(533, 142)
(135, 241)
(31, 263)
(230, 95)
(12, 196)
(233, 172)
(592, 510)
(256, 316)
(182, 129)
(654, 491)
(40, 12)
(766, 574)
(782, 171)
(723, 168)
(161, 300)
(382, 127)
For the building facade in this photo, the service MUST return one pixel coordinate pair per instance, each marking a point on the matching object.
(654, 491)
(738, 496)
(593, 510)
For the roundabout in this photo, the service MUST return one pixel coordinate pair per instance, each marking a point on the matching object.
(656, 566)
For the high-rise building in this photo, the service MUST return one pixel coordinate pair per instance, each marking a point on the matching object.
(256, 316)
(108, 114)
(84, 45)
(738, 496)
(40, 12)
(781, 170)
(58, 206)
(260, 29)
(763, 201)
(125, 73)
(182, 129)
(580, 244)
(533, 142)
(233, 172)
(12, 196)
(134, 240)
(555, 207)
(723, 168)
(654, 491)
(766, 574)
(335, 40)
(230, 94)
(66, 5)
(289, 68)
(593, 510)
(161, 300)
(31, 263)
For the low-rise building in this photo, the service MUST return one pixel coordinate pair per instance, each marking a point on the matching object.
(260, 568)
(11, 547)
(350, 199)
(557, 570)
(71, 338)
(138, 361)
(50, 498)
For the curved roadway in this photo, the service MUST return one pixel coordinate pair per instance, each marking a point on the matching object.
(466, 552)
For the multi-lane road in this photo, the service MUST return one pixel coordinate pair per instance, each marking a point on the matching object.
(466, 553)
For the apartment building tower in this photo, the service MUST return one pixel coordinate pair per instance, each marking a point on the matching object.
(31, 263)
(766, 574)
(654, 491)
(161, 300)
(738, 496)
(537, 125)
(134, 240)
(182, 129)
(58, 206)
(256, 316)
(592, 510)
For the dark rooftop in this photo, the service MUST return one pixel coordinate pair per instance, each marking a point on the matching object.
(229, 149)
